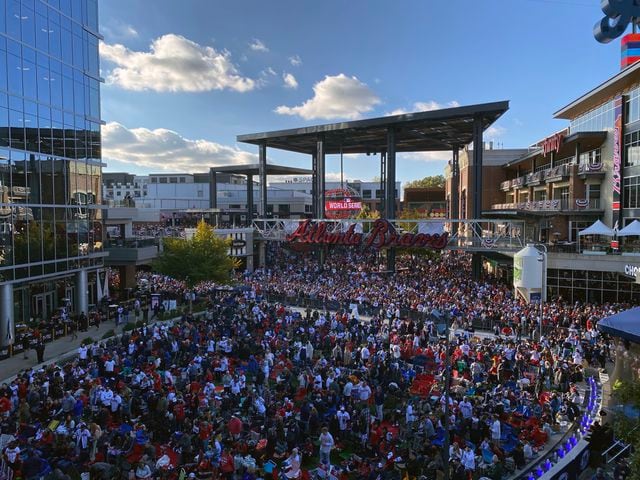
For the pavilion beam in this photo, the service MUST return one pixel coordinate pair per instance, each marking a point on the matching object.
(390, 192)
(213, 189)
(314, 185)
(262, 170)
(454, 206)
(478, 145)
(249, 219)
(320, 192)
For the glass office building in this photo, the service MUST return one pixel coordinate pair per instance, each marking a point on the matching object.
(50, 159)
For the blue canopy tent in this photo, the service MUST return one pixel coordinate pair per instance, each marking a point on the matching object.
(625, 325)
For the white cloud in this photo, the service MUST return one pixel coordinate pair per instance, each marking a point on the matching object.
(442, 156)
(424, 107)
(494, 131)
(174, 64)
(163, 149)
(258, 46)
(119, 31)
(334, 97)
(289, 80)
(295, 60)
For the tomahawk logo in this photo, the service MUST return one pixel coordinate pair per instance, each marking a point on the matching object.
(619, 14)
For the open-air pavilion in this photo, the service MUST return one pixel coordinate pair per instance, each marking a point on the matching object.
(447, 129)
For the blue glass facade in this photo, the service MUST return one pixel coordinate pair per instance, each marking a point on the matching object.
(50, 148)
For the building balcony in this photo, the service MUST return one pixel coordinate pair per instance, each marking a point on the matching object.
(589, 170)
(547, 206)
(533, 179)
(557, 174)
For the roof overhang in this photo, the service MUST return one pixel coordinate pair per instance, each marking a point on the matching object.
(254, 169)
(436, 130)
(620, 82)
(588, 141)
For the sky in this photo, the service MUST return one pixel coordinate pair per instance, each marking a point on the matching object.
(184, 78)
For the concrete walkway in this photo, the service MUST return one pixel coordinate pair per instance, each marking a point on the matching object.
(55, 349)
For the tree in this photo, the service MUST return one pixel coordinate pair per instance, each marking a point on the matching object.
(202, 258)
(431, 181)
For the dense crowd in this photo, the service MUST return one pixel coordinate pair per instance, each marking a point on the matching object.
(253, 389)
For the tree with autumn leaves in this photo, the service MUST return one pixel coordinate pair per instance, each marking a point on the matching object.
(202, 258)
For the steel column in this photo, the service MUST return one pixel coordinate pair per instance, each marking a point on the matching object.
(7, 323)
(314, 185)
(262, 159)
(249, 219)
(82, 292)
(390, 193)
(454, 207)
(383, 181)
(320, 191)
(213, 188)
(478, 145)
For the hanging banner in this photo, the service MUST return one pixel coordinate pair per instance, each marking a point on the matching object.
(616, 178)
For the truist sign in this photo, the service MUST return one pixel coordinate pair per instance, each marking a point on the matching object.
(382, 235)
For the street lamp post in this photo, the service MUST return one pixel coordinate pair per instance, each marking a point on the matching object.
(543, 291)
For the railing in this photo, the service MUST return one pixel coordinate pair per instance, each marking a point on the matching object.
(533, 178)
(584, 168)
(557, 172)
(578, 204)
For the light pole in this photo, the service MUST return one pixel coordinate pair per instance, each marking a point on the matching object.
(543, 291)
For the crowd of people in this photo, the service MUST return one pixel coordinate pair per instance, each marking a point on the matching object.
(254, 389)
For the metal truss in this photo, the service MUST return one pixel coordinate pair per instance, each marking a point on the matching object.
(471, 235)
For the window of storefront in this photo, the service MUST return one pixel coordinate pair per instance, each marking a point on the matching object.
(632, 147)
(592, 157)
(575, 227)
(633, 106)
(540, 195)
(593, 191)
(630, 194)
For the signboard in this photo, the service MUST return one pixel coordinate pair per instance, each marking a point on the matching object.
(383, 235)
(616, 178)
(552, 144)
(344, 204)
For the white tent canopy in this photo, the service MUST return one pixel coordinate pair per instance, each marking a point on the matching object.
(632, 229)
(597, 228)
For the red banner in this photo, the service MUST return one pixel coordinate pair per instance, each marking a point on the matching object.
(382, 235)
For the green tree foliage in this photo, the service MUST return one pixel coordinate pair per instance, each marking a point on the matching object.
(203, 258)
(431, 181)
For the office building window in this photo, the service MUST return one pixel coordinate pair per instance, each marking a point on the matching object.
(598, 119)
(633, 106)
(630, 194)
(632, 147)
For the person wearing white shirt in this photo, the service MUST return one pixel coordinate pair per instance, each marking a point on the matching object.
(466, 409)
(468, 459)
(496, 430)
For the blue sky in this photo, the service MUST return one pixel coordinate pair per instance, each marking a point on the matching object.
(183, 78)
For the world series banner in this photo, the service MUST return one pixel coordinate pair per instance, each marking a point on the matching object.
(616, 178)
